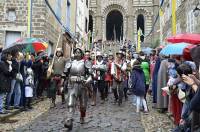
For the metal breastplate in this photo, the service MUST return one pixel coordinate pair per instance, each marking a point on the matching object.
(77, 68)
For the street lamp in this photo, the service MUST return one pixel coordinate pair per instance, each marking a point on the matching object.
(196, 10)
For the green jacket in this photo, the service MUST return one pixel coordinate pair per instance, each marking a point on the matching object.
(146, 70)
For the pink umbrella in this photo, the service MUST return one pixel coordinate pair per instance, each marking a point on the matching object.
(187, 38)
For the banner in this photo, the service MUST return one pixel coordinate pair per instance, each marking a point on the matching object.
(173, 17)
(139, 41)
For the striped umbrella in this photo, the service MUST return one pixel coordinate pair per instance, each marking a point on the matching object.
(33, 45)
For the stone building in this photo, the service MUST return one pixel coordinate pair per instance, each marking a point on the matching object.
(44, 24)
(121, 19)
(82, 20)
(186, 21)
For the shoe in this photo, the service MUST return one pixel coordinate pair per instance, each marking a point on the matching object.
(16, 107)
(146, 112)
(93, 103)
(69, 124)
(9, 108)
(82, 121)
(30, 107)
(3, 112)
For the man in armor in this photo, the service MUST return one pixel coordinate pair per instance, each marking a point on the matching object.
(79, 74)
(118, 70)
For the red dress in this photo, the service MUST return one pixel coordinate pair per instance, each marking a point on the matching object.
(176, 108)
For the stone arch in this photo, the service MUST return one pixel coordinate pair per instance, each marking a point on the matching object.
(147, 18)
(114, 22)
(143, 11)
(109, 8)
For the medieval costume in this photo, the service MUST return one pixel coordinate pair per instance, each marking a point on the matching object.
(79, 74)
(108, 76)
(57, 80)
(100, 69)
(118, 70)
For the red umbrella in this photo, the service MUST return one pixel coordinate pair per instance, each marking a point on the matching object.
(187, 38)
(187, 52)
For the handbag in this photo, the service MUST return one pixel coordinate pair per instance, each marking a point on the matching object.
(19, 75)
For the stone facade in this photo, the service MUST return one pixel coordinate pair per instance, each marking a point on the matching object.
(130, 9)
(44, 23)
(186, 22)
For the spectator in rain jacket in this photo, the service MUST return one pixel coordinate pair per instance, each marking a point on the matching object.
(138, 86)
(5, 77)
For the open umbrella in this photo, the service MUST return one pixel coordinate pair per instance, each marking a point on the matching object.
(187, 38)
(147, 50)
(28, 45)
(174, 49)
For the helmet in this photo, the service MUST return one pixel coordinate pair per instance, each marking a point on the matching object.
(79, 50)
(59, 49)
(105, 55)
(99, 53)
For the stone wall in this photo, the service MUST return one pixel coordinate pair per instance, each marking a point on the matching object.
(181, 18)
(130, 10)
(44, 24)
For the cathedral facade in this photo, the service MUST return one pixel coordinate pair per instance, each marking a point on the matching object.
(121, 19)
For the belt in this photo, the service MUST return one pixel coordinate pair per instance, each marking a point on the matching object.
(77, 78)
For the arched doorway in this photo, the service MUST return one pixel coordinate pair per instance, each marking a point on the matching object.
(140, 24)
(114, 25)
(91, 26)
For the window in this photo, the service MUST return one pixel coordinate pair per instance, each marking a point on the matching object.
(68, 14)
(11, 37)
(58, 8)
(178, 28)
(191, 22)
(11, 15)
(178, 3)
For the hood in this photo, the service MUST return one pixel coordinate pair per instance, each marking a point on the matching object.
(137, 67)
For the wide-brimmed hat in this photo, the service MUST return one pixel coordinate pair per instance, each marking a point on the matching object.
(119, 52)
(110, 54)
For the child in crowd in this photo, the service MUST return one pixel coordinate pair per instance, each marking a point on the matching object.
(29, 84)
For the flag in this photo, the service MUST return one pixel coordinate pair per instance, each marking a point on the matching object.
(161, 12)
(89, 40)
(139, 41)
(114, 32)
(173, 17)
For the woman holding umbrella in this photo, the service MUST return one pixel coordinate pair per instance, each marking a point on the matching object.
(16, 80)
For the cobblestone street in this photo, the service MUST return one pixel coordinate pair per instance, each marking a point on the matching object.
(105, 117)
